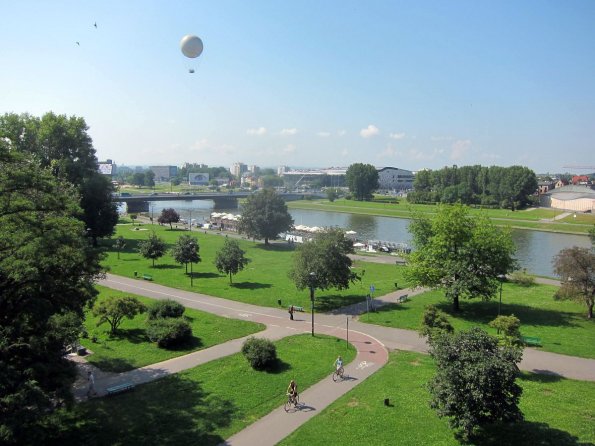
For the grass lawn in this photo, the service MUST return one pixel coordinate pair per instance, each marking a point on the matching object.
(263, 282)
(130, 348)
(523, 219)
(206, 404)
(561, 325)
(557, 412)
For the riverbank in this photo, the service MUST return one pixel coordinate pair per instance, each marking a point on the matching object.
(537, 219)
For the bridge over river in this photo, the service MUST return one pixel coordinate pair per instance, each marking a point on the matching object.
(223, 200)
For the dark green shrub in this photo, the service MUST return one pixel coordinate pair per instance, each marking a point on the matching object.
(260, 353)
(169, 332)
(166, 308)
(522, 278)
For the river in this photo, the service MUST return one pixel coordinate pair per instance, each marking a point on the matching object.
(535, 249)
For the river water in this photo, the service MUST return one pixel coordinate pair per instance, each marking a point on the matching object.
(535, 249)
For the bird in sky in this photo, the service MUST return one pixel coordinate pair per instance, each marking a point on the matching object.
(95, 24)
(78, 44)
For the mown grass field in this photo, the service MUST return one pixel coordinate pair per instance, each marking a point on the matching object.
(558, 412)
(206, 404)
(130, 348)
(561, 325)
(262, 282)
(523, 219)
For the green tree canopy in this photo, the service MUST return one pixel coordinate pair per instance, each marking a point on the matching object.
(114, 309)
(327, 257)
(168, 216)
(362, 180)
(230, 259)
(461, 255)
(47, 275)
(264, 216)
(152, 248)
(576, 268)
(62, 144)
(186, 250)
(475, 381)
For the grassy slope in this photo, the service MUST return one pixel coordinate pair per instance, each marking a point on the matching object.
(130, 348)
(561, 325)
(205, 404)
(262, 282)
(557, 412)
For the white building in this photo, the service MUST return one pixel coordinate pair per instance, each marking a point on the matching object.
(393, 178)
(570, 198)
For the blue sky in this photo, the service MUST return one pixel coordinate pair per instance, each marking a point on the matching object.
(312, 83)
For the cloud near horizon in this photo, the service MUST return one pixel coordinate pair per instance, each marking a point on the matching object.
(397, 135)
(257, 132)
(369, 131)
(459, 148)
(288, 132)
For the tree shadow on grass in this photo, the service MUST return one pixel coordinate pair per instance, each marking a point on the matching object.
(275, 247)
(193, 343)
(197, 275)
(132, 335)
(328, 303)
(250, 285)
(525, 433)
(170, 411)
(279, 366)
(541, 377)
(115, 365)
(166, 266)
(484, 312)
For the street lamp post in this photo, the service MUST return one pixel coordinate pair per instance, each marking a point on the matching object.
(191, 272)
(312, 276)
(501, 277)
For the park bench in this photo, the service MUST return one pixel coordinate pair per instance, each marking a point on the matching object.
(147, 277)
(119, 388)
(403, 298)
(296, 308)
(531, 340)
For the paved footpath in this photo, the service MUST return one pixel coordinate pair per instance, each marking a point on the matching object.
(371, 342)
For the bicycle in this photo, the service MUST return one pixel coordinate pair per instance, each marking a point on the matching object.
(292, 399)
(339, 374)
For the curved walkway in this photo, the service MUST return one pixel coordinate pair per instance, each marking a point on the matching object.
(370, 341)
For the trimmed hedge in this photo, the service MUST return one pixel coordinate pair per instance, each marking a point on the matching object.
(166, 308)
(260, 353)
(169, 332)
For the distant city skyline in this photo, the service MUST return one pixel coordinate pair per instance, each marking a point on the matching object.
(407, 84)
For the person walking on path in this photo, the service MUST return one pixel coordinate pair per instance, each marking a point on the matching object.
(91, 380)
(291, 312)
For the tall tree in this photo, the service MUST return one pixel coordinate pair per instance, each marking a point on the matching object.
(152, 248)
(327, 257)
(362, 180)
(461, 255)
(120, 244)
(62, 144)
(186, 250)
(47, 274)
(264, 215)
(230, 259)
(170, 216)
(475, 381)
(576, 268)
(100, 212)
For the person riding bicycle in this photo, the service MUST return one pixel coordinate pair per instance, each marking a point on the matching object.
(339, 364)
(292, 390)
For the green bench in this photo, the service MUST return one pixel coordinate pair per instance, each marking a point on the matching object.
(531, 340)
(124, 387)
(147, 277)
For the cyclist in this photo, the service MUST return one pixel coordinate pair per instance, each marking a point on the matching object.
(292, 391)
(339, 365)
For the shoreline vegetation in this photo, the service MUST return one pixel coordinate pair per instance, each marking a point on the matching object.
(537, 219)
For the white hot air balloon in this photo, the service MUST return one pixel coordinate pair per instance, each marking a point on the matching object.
(191, 46)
